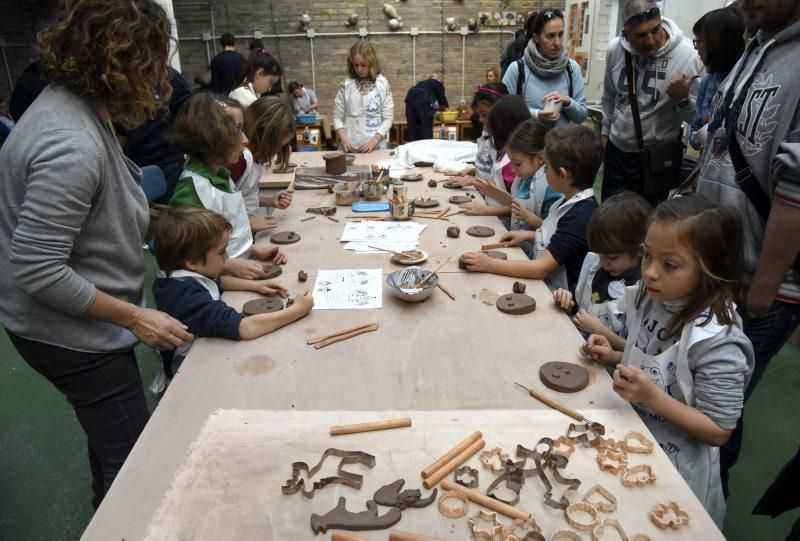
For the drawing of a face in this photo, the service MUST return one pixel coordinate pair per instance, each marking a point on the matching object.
(663, 376)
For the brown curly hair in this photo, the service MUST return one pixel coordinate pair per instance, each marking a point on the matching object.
(267, 122)
(113, 52)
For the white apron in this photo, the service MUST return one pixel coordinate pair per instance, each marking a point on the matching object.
(533, 203)
(485, 157)
(610, 312)
(230, 205)
(364, 115)
(496, 177)
(697, 462)
(558, 278)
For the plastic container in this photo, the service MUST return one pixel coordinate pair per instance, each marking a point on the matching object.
(305, 120)
(448, 116)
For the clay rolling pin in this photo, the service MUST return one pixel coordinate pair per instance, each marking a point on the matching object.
(486, 501)
(430, 470)
(369, 427)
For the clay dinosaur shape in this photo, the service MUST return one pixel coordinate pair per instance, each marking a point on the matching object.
(390, 496)
(342, 519)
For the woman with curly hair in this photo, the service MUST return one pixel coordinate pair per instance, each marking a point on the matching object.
(73, 218)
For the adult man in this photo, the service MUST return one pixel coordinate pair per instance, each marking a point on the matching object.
(29, 85)
(665, 67)
(421, 101)
(227, 66)
(752, 162)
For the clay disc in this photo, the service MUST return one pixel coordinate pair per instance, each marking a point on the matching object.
(426, 202)
(412, 177)
(272, 270)
(480, 231)
(497, 254)
(564, 377)
(272, 303)
(516, 304)
(284, 237)
(459, 199)
(452, 184)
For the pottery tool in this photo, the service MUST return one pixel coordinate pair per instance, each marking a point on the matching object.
(430, 470)
(408, 254)
(397, 535)
(461, 211)
(493, 246)
(369, 427)
(331, 218)
(443, 212)
(486, 501)
(365, 216)
(346, 536)
(339, 338)
(453, 463)
(428, 277)
(325, 211)
(446, 291)
(315, 339)
(553, 403)
(307, 219)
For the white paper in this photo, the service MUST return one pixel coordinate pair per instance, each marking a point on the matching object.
(346, 289)
(370, 231)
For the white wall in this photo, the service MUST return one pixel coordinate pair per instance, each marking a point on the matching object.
(686, 12)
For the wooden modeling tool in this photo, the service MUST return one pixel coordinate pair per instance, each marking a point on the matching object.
(369, 427)
(307, 219)
(428, 277)
(493, 246)
(553, 403)
(446, 291)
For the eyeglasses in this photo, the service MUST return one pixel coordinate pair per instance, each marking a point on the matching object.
(696, 41)
(643, 16)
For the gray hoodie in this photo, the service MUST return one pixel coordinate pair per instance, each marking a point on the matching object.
(661, 116)
(768, 132)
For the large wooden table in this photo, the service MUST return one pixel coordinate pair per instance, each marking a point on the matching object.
(434, 357)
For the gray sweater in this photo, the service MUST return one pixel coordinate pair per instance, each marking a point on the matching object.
(72, 221)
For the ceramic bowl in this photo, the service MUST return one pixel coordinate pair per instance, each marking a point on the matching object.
(401, 282)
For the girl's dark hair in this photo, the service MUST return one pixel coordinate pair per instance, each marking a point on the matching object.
(260, 59)
(714, 235)
(504, 116)
(203, 130)
(619, 225)
(528, 137)
(723, 33)
(490, 93)
(542, 18)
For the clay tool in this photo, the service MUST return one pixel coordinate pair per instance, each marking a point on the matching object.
(453, 463)
(369, 427)
(345, 536)
(331, 218)
(493, 246)
(307, 219)
(339, 338)
(486, 501)
(461, 211)
(397, 535)
(365, 216)
(315, 339)
(430, 470)
(443, 212)
(553, 403)
(428, 277)
(446, 291)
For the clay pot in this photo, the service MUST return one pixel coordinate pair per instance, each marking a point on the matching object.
(335, 163)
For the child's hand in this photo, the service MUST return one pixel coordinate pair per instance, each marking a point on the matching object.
(474, 208)
(518, 212)
(477, 261)
(599, 349)
(304, 302)
(244, 268)
(268, 253)
(270, 287)
(262, 223)
(344, 142)
(281, 201)
(464, 182)
(563, 298)
(278, 256)
(588, 322)
(633, 385)
(513, 238)
(370, 145)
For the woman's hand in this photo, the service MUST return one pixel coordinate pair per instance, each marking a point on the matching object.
(588, 322)
(477, 261)
(634, 385)
(158, 330)
(563, 298)
(548, 117)
(262, 223)
(513, 238)
(557, 97)
(599, 349)
(244, 268)
(370, 145)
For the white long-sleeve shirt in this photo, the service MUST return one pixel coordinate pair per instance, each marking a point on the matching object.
(364, 108)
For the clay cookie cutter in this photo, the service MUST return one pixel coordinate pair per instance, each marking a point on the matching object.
(554, 462)
(573, 509)
(609, 523)
(565, 535)
(523, 530)
(563, 446)
(485, 525)
(669, 515)
(390, 496)
(638, 476)
(353, 480)
(513, 478)
(453, 512)
(612, 460)
(636, 442)
(465, 472)
(494, 459)
(609, 502)
(581, 433)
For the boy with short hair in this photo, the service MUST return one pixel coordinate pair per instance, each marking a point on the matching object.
(572, 156)
(191, 244)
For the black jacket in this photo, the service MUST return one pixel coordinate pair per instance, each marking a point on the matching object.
(29, 85)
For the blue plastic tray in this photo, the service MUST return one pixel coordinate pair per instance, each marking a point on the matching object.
(377, 206)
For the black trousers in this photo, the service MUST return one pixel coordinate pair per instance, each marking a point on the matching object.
(105, 390)
(419, 115)
(623, 171)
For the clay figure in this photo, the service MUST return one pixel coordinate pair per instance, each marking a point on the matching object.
(432, 183)
(516, 304)
(272, 270)
(302, 276)
(518, 287)
(341, 519)
(272, 303)
(284, 237)
(480, 231)
(564, 377)
(390, 496)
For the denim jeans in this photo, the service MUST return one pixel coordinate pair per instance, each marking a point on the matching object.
(105, 390)
(768, 334)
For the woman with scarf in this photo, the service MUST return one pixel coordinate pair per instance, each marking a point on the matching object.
(548, 79)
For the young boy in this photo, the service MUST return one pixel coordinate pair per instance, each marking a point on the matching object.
(572, 156)
(615, 234)
(191, 244)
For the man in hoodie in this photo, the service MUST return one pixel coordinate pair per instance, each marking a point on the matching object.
(753, 147)
(666, 66)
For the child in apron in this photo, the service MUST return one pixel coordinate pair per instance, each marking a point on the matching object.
(210, 138)
(686, 361)
(572, 156)
(615, 236)
(363, 110)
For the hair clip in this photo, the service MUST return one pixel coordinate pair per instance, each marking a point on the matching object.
(222, 104)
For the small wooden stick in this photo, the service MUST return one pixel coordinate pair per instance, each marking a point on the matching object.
(316, 339)
(363, 216)
(446, 291)
(422, 282)
(380, 177)
(346, 536)
(461, 211)
(443, 212)
(427, 472)
(369, 427)
(307, 219)
(454, 463)
(486, 501)
(493, 246)
(397, 535)
(429, 217)
(331, 218)
(329, 341)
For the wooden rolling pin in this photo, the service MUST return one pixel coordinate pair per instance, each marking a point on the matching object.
(339, 338)
(346, 536)
(396, 535)
(486, 501)
(454, 463)
(430, 470)
(369, 427)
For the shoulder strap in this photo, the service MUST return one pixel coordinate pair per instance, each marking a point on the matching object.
(568, 71)
(747, 181)
(637, 122)
(520, 75)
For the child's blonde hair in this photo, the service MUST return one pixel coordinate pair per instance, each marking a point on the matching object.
(187, 233)
(266, 123)
(203, 130)
(714, 236)
(365, 49)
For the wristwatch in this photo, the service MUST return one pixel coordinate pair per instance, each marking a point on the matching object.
(684, 102)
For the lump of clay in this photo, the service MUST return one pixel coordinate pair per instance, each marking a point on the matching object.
(302, 276)
(453, 231)
(564, 377)
(432, 183)
(518, 287)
